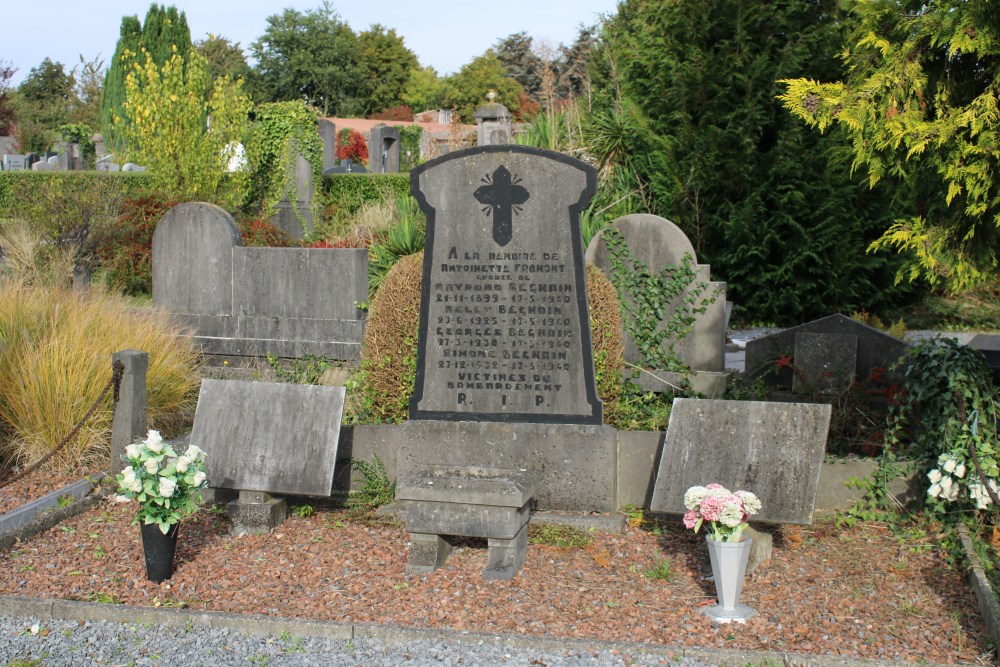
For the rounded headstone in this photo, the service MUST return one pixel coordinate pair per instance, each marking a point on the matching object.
(654, 241)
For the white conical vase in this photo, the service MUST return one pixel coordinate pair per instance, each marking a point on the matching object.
(729, 567)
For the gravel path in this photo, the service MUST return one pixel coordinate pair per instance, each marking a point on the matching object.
(106, 643)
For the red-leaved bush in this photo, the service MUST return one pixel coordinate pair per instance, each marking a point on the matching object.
(354, 148)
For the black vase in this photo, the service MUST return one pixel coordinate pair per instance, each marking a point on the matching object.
(159, 551)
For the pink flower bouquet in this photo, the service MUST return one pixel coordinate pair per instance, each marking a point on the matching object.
(726, 511)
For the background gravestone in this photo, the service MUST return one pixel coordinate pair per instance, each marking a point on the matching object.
(658, 243)
(328, 134)
(275, 438)
(294, 213)
(383, 150)
(874, 350)
(504, 325)
(827, 362)
(773, 449)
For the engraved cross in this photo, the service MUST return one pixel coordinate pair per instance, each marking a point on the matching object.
(502, 196)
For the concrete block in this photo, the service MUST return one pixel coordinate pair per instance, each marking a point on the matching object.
(256, 518)
(505, 557)
(427, 553)
(463, 519)
(471, 485)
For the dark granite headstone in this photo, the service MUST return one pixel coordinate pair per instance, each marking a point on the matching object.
(504, 326)
(275, 438)
(772, 449)
(328, 134)
(825, 363)
(989, 345)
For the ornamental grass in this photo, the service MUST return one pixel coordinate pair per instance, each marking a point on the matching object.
(55, 359)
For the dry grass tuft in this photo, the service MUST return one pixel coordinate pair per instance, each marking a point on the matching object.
(32, 259)
(607, 338)
(55, 358)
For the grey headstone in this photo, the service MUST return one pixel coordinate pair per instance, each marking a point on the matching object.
(15, 162)
(989, 345)
(826, 363)
(42, 165)
(493, 124)
(874, 350)
(276, 438)
(328, 134)
(193, 259)
(504, 323)
(773, 449)
(294, 213)
(131, 166)
(108, 166)
(383, 149)
(659, 243)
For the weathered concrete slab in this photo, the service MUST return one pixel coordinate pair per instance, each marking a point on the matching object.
(573, 466)
(472, 485)
(276, 438)
(504, 324)
(772, 449)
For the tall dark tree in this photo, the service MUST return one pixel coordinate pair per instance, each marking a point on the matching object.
(113, 94)
(384, 69)
(310, 56)
(515, 52)
(762, 199)
(574, 61)
(164, 30)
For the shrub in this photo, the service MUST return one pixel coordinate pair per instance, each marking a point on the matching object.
(352, 146)
(380, 392)
(55, 360)
(125, 249)
(262, 234)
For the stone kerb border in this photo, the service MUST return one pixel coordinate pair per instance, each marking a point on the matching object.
(287, 302)
(989, 607)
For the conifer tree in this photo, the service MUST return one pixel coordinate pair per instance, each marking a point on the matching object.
(113, 94)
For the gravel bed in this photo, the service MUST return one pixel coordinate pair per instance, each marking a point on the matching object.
(107, 643)
(858, 593)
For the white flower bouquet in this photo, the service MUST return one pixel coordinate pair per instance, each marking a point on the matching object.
(727, 512)
(164, 484)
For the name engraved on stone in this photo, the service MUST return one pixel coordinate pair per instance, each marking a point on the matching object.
(504, 328)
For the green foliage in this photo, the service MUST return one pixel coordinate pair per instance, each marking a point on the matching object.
(306, 370)
(657, 310)
(559, 536)
(404, 238)
(376, 487)
(42, 103)
(638, 410)
(340, 196)
(113, 94)
(384, 67)
(224, 58)
(125, 249)
(165, 32)
(467, 90)
(409, 146)
(686, 92)
(424, 89)
(663, 571)
(303, 511)
(310, 56)
(84, 136)
(515, 52)
(17, 187)
(280, 132)
(168, 110)
(919, 103)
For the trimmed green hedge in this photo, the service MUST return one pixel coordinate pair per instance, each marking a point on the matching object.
(16, 187)
(349, 192)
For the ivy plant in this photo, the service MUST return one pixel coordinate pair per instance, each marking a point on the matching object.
(658, 309)
(282, 130)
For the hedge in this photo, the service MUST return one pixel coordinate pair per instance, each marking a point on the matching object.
(17, 186)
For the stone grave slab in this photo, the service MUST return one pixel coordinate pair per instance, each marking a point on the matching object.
(989, 345)
(269, 437)
(773, 449)
(504, 326)
(383, 149)
(826, 362)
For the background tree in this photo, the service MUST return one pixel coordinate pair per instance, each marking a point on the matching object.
(687, 91)
(574, 61)
(424, 89)
(516, 53)
(185, 128)
(42, 104)
(919, 103)
(309, 56)
(7, 72)
(163, 31)
(224, 58)
(384, 69)
(88, 79)
(467, 90)
(113, 93)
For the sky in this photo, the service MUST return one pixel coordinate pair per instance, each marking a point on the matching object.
(444, 34)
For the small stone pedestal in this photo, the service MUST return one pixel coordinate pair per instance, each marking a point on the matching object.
(256, 513)
(468, 501)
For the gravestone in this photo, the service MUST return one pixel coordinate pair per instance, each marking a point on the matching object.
(294, 213)
(268, 438)
(15, 162)
(328, 134)
(504, 324)
(773, 449)
(989, 345)
(493, 124)
(383, 149)
(108, 166)
(131, 166)
(70, 158)
(818, 357)
(42, 165)
(659, 243)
